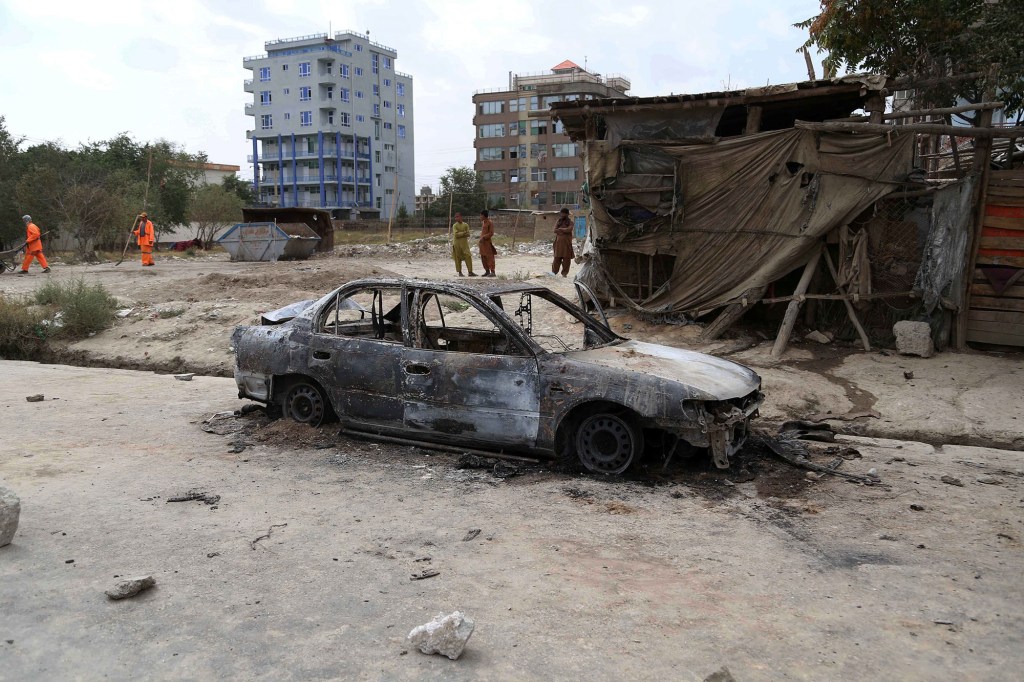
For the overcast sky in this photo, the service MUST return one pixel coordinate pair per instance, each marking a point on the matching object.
(78, 71)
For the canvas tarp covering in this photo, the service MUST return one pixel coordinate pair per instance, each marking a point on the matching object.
(737, 214)
(942, 263)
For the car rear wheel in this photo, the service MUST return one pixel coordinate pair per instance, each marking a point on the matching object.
(608, 443)
(305, 404)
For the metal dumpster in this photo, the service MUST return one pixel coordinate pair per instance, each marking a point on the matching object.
(269, 241)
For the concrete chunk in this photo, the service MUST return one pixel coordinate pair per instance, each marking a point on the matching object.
(10, 511)
(130, 587)
(914, 338)
(445, 635)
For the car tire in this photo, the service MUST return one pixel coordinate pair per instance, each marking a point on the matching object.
(608, 443)
(305, 403)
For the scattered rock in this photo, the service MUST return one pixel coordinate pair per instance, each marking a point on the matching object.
(124, 312)
(37, 398)
(908, 375)
(470, 534)
(184, 377)
(917, 507)
(195, 495)
(914, 338)
(130, 587)
(949, 480)
(445, 635)
(10, 511)
(817, 337)
(989, 480)
(720, 675)
(424, 574)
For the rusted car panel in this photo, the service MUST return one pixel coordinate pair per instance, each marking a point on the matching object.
(511, 368)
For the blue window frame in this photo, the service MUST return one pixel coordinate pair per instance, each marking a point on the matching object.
(376, 90)
(359, 94)
(401, 131)
(359, 71)
(304, 69)
(401, 110)
(376, 110)
(306, 118)
(343, 70)
(360, 118)
(264, 97)
(266, 121)
(387, 82)
(387, 62)
(400, 89)
(305, 94)
(264, 74)
(375, 62)
(344, 95)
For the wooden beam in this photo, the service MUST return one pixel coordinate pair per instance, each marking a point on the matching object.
(943, 110)
(927, 128)
(793, 310)
(754, 119)
(732, 312)
(849, 306)
(841, 297)
(875, 106)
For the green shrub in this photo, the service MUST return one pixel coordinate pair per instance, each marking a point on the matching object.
(22, 335)
(170, 312)
(83, 308)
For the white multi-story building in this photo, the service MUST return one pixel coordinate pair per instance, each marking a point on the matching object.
(333, 125)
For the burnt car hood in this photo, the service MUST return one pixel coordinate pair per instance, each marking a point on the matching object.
(710, 378)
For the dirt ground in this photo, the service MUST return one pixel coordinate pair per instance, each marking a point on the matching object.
(302, 568)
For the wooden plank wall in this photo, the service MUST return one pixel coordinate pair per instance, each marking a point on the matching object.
(999, 317)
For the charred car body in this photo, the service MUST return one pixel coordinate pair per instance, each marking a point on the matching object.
(513, 368)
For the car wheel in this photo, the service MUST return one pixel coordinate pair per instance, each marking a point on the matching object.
(305, 404)
(608, 443)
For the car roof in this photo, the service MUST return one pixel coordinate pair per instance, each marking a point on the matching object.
(472, 287)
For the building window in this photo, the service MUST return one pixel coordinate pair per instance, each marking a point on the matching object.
(539, 198)
(287, 116)
(343, 95)
(306, 118)
(345, 120)
(517, 128)
(305, 94)
(563, 197)
(492, 130)
(286, 91)
(360, 118)
(549, 99)
(343, 70)
(376, 110)
(264, 74)
(329, 92)
(538, 127)
(266, 121)
(517, 104)
(565, 174)
(490, 153)
(376, 90)
(387, 82)
(359, 94)
(387, 62)
(558, 128)
(359, 71)
(387, 125)
(284, 67)
(538, 174)
(401, 89)
(492, 107)
(376, 156)
(304, 69)
(534, 105)
(264, 97)
(330, 118)
(401, 131)
(517, 151)
(492, 176)
(359, 48)
(401, 111)
(564, 150)
(376, 178)
(375, 62)
(387, 104)
(538, 151)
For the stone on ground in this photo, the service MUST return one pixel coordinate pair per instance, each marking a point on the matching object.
(130, 587)
(10, 510)
(445, 635)
(914, 338)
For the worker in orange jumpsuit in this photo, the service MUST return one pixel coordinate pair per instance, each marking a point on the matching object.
(144, 231)
(33, 246)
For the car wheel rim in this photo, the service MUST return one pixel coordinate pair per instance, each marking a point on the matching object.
(306, 405)
(606, 444)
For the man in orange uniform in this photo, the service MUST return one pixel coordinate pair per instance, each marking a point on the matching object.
(144, 231)
(33, 246)
(487, 250)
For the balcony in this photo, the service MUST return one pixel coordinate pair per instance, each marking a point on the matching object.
(249, 109)
(249, 158)
(247, 85)
(249, 134)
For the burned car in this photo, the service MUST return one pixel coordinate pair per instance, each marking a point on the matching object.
(511, 368)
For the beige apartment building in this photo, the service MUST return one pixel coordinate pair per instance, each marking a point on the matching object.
(529, 162)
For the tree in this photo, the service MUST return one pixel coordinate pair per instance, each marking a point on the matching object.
(11, 229)
(928, 41)
(464, 189)
(213, 207)
(241, 188)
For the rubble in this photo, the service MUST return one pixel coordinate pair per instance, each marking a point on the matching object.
(10, 511)
(130, 587)
(817, 337)
(37, 398)
(445, 635)
(914, 338)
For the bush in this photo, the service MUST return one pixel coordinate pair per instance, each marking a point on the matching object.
(22, 335)
(84, 308)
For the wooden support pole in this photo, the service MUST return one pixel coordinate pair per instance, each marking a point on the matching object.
(875, 106)
(928, 128)
(849, 306)
(733, 312)
(943, 111)
(810, 65)
(793, 310)
(753, 120)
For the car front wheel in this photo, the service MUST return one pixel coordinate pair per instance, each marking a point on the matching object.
(608, 443)
(305, 404)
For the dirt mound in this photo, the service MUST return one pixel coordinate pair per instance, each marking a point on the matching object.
(316, 281)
